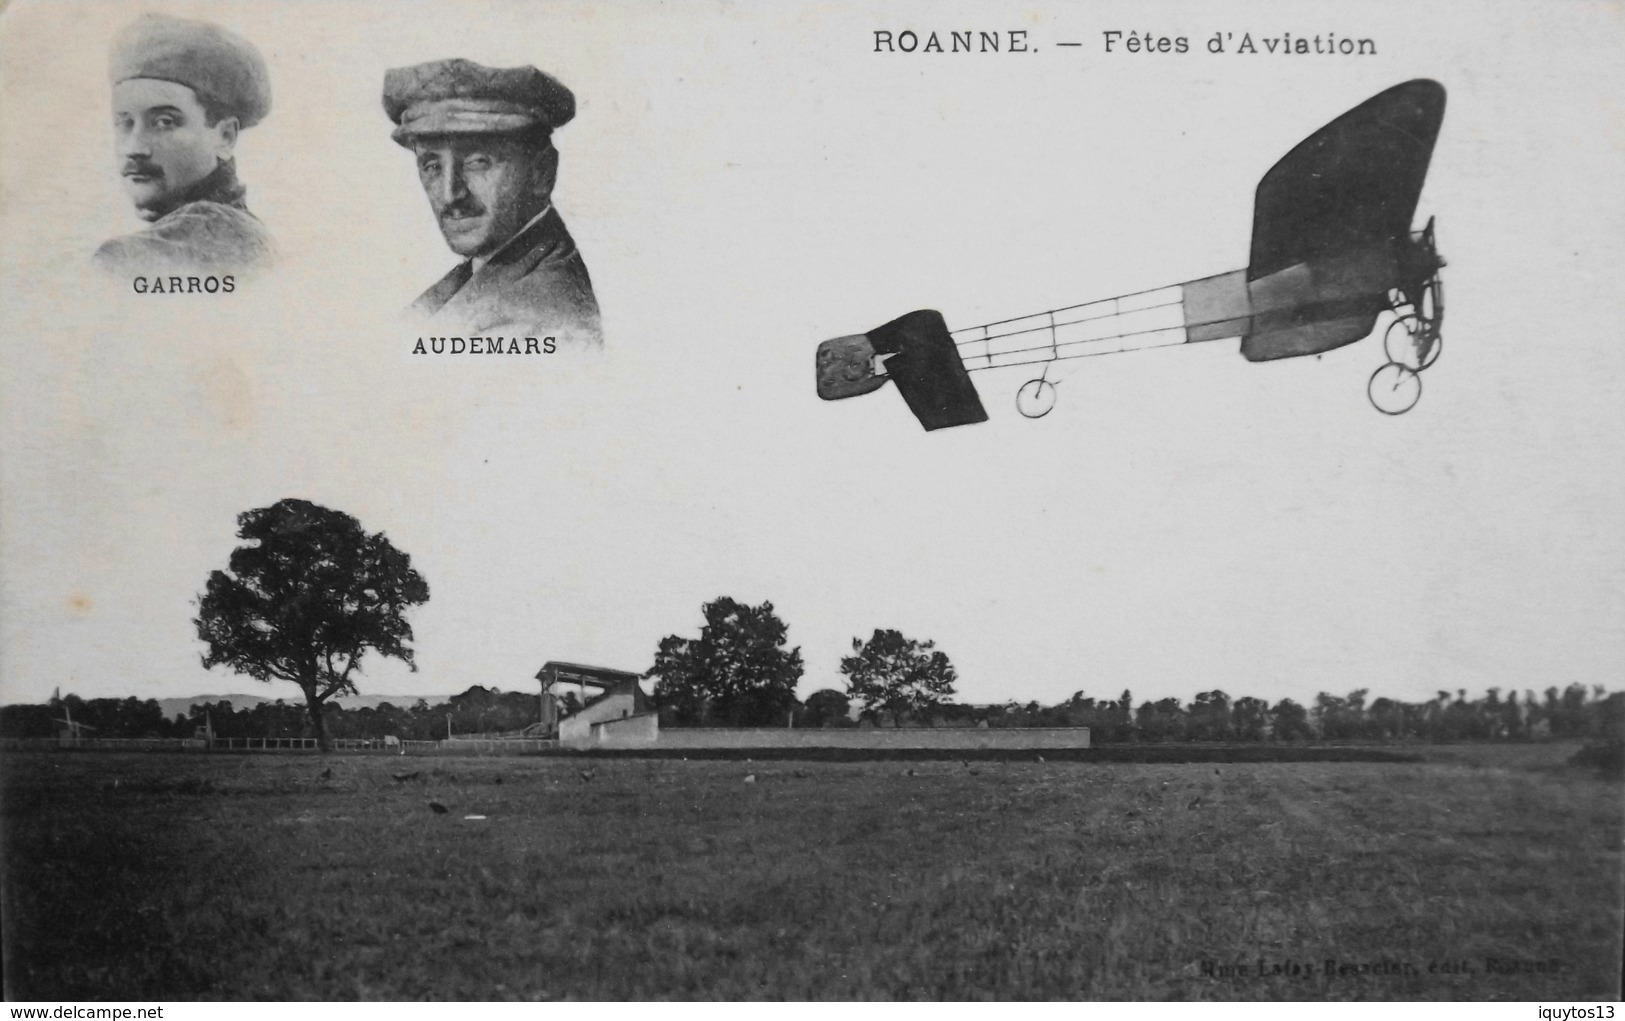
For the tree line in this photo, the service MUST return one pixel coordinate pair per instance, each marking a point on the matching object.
(1574, 712)
(478, 710)
(310, 593)
(737, 672)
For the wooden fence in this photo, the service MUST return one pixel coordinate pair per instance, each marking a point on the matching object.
(455, 746)
(478, 746)
(264, 744)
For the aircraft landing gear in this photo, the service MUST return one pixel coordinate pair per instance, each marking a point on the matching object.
(1414, 339)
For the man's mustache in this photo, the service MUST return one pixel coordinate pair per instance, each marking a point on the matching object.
(141, 168)
(462, 208)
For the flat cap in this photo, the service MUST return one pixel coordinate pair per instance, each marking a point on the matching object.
(224, 69)
(460, 97)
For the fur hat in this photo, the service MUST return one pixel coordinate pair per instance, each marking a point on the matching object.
(224, 69)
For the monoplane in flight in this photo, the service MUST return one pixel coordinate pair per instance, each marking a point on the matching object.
(1332, 251)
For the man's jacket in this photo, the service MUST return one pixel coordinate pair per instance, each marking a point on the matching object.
(534, 286)
(209, 229)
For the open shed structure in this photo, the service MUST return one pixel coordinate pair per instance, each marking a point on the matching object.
(617, 711)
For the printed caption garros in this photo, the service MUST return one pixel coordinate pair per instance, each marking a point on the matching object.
(1118, 42)
(184, 285)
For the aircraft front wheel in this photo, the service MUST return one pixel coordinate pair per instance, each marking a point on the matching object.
(1394, 389)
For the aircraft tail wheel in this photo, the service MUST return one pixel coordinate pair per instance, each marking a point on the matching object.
(1412, 342)
(1394, 388)
(1036, 398)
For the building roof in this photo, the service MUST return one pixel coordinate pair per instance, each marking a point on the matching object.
(553, 672)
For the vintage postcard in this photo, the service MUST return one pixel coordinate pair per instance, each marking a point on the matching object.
(828, 499)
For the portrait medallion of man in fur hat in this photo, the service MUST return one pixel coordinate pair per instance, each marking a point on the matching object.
(182, 92)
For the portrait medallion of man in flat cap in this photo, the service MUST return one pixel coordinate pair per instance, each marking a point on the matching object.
(483, 142)
(182, 91)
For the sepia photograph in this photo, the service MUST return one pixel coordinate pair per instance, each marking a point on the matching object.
(796, 606)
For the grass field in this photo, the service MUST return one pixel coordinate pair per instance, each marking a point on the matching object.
(220, 877)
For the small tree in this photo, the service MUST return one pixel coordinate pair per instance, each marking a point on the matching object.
(1290, 721)
(1164, 720)
(304, 598)
(737, 670)
(1251, 718)
(1210, 717)
(826, 707)
(897, 674)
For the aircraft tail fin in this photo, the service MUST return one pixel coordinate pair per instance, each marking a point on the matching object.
(927, 368)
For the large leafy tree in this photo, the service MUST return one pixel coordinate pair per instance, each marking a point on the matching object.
(304, 598)
(898, 675)
(737, 671)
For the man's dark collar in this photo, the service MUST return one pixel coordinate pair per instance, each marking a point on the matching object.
(219, 186)
(522, 242)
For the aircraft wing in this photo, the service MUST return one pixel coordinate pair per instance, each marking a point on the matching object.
(1352, 185)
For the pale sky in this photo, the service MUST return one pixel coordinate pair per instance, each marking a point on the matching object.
(745, 180)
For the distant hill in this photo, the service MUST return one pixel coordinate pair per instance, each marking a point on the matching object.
(174, 707)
